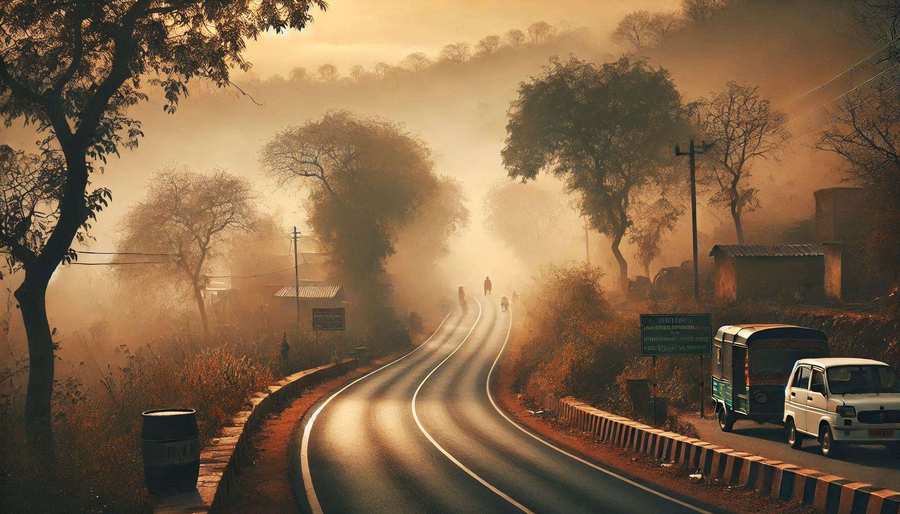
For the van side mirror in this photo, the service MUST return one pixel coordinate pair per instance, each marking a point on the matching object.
(818, 388)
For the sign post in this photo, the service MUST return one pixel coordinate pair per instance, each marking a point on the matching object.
(676, 334)
(329, 319)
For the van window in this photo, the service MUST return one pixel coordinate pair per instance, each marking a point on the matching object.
(818, 381)
(801, 379)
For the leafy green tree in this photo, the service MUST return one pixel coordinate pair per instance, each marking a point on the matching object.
(369, 180)
(606, 130)
(188, 215)
(73, 69)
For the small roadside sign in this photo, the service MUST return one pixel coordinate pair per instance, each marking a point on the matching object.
(329, 319)
(679, 334)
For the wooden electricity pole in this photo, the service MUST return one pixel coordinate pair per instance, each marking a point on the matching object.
(692, 159)
(295, 236)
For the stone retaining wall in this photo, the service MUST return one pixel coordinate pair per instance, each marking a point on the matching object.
(771, 478)
(223, 456)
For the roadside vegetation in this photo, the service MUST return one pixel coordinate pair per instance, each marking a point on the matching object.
(572, 341)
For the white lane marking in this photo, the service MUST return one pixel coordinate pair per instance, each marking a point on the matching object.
(311, 497)
(487, 387)
(440, 448)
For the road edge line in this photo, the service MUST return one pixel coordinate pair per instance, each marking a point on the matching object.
(440, 448)
(311, 498)
(487, 387)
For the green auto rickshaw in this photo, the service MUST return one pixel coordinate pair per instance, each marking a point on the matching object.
(750, 367)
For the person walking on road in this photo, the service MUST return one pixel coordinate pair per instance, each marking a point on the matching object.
(462, 297)
(504, 304)
(487, 286)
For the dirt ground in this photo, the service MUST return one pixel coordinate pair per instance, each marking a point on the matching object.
(265, 487)
(671, 480)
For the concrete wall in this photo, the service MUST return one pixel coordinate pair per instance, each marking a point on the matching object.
(785, 278)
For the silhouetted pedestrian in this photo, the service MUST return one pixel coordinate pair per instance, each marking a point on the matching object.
(487, 286)
(285, 354)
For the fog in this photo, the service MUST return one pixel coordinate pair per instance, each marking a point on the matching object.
(459, 110)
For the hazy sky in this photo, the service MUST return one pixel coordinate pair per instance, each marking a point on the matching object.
(367, 32)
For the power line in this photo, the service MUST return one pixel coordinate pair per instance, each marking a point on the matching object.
(142, 254)
(251, 276)
(116, 263)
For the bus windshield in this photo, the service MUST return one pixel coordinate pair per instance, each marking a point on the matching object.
(866, 379)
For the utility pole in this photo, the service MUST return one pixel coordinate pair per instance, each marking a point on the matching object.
(587, 246)
(295, 236)
(692, 154)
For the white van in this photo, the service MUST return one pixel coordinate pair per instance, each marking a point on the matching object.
(841, 400)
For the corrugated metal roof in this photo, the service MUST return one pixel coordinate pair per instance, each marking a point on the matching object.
(782, 250)
(311, 291)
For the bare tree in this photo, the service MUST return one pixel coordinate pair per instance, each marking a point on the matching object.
(699, 11)
(743, 127)
(653, 221)
(515, 37)
(487, 45)
(328, 73)
(456, 52)
(188, 215)
(416, 61)
(540, 32)
(866, 133)
(642, 30)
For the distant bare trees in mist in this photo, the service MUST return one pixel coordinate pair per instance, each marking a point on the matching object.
(456, 53)
(188, 215)
(641, 30)
(743, 127)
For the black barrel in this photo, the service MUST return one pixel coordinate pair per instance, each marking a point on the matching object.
(171, 450)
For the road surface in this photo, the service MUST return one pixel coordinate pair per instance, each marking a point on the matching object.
(422, 434)
(865, 463)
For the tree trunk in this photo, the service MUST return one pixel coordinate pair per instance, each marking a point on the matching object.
(738, 225)
(201, 307)
(623, 264)
(31, 296)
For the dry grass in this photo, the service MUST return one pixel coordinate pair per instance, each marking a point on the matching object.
(99, 466)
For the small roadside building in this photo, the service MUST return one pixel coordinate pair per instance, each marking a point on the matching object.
(790, 272)
(312, 295)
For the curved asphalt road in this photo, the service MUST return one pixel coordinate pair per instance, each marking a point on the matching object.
(423, 434)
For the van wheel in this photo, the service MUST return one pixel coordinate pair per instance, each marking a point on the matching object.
(726, 419)
(794, 438)
(827, 445)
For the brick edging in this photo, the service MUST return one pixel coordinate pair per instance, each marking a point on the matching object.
(769, 478)
(223, 456)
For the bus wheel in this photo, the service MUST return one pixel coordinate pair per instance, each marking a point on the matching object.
(726, 419)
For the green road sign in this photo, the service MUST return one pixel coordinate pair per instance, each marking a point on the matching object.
(329, 319)
(666, 334)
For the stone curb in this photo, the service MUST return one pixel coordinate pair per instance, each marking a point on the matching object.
(769, 478)
(223, 456)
